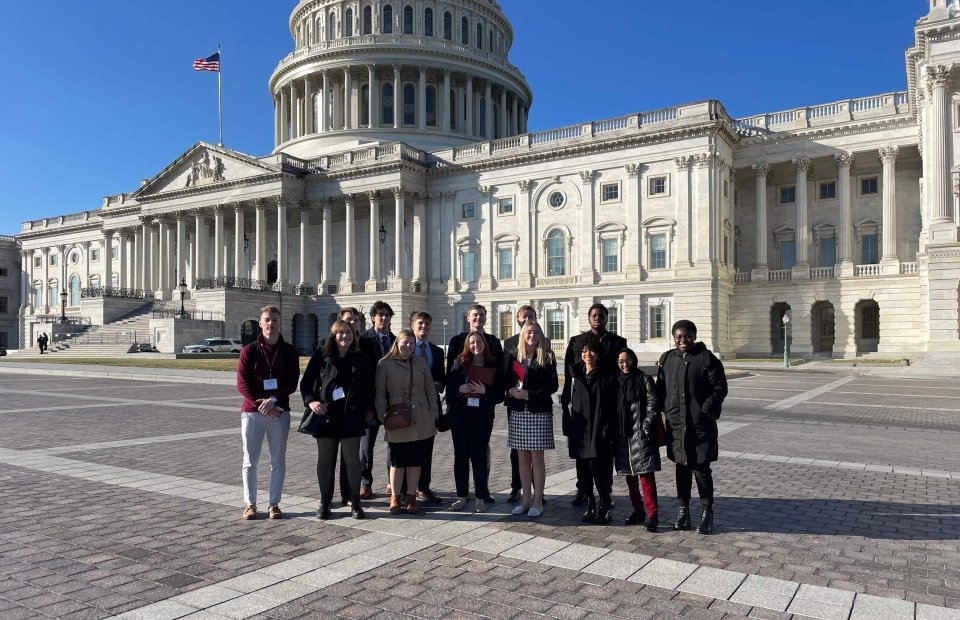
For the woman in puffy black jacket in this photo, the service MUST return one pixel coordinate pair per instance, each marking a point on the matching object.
(338, 384)
(636, 453)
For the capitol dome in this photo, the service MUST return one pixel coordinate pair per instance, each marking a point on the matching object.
(440, 72)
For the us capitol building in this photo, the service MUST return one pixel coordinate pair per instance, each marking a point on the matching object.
(403, 170)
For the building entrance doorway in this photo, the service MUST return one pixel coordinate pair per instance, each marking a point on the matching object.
(777, 311)
(822, 327)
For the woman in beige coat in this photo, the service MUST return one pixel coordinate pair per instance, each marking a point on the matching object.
(410, 446)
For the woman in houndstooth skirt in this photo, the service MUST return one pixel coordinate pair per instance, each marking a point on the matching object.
(533, 374)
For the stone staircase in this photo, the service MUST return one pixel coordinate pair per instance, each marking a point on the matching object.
(114, 339)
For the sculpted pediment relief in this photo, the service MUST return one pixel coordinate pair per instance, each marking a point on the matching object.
(201, 166)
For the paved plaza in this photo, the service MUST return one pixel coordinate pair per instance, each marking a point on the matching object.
(838, 496)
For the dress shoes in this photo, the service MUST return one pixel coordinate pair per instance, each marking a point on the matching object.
(514, 496)
(366, 492)
(651, 524)
(358, 513)
(637, 516)
(706, 522)
(429, 497)
(683, 519)
(323, 513)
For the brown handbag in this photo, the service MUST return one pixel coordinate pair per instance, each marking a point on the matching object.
(401, 415)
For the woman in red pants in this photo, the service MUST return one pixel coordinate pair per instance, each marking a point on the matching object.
(636, 453)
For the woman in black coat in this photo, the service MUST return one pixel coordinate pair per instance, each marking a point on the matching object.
(691, 384)
(338, 385)
(590, 426)
(636, 453)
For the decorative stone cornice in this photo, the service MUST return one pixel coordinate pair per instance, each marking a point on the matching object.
(683, 162)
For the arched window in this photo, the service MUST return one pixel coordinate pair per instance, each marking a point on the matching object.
(367, 20)
(75, 290)
(387, 19)
(556, 253)
(365, 105)
(53, 294)
(431, 106)
(490, 44)
(386, 103)
(496, 121)
(332, 33)
(409, 105)
(114, 281)
(348, 24)
(37, 294)
(448, 26)
(408, 19)
(479, 37)
(482, 121)
(453, 110)
(428, 22)
(464, 31)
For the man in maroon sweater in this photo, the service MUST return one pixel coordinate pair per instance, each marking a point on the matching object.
(267, 373)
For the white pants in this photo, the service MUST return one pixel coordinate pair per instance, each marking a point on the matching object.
(253, 426)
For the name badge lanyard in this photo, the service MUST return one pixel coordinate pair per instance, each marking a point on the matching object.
(270, 364)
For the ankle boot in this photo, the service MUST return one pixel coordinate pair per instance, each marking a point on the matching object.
(590, 514)
(411, 506)
(637, 516)
(706, 522)
(394, 504)
(603, 510)
(683, 517)
(652, 523)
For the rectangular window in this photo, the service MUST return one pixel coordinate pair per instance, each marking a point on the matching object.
(656, 322)
(871, 322)
(726, 188)
(658, 186)
(555, 326)
(469, 266)
(468, 210)
(3, 305)
(828, 252)
(868, 186)
(869, 250)
(613, 319)
(53, 297)
(113, 251)
(658, 251)
(94, 255)
(788, 256)
(37, 262)
(827, 190)
(788, 194)
(505, 206)
(3, 272)
(37, 297)
(610, 256)
(53, 260)
(506, 325)
(505, 263)
(610, 192)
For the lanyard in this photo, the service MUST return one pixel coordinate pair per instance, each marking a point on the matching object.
(270, 361)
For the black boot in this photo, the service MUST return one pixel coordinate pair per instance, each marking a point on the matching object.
(637, 516)
(579, 498)
(590, 515)
(652, 524)
(603, 511)
(706, 522)
(683, 517)
(323, 512)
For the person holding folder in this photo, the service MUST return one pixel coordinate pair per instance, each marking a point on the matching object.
(474, 388)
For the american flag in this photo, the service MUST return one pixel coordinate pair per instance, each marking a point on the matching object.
(210, 63)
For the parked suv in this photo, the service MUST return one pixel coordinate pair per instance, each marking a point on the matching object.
(215, 345)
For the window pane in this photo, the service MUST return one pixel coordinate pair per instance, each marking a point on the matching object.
(387, 19)
(828, 190)
(656, 322)
(428, 22)
(469, 266)
(828, 252)
(409, 106)
(658, 251)
(871, 322)
(386, 98)
(868, 186)
(609, 255)
(505, 261)
(613, 319)
(555, 326)
(788, 194)
(555, 254)
(869, 251)
(787, 255)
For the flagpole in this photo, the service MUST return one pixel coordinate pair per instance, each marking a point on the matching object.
(219, 97)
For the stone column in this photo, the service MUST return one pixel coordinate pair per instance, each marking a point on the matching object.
(296, 113)
(633, 200)
(260, 270)
(146, 283)
(155, 252)
(239, 269)
(940, 195)
(324, 115)
(488, 110)
(374, 253)
(85, 282)
(760, 264)
(422, 99)
(123, 257)
(26, 288)
(327, 275)
(106, 275)
(448, 220)
(802, 164)
(350, 240)
(372, 107)
(419, 238)
(397, 96)
(888, 260)
(526, 254)
(284, 117)
(468, 128)
(514, 124)
(182, 251)
(347, 99)
(444, 101)
(503, 112)
(304, 241)
(282, 258)
(686, 218)
(844, 217)
(219, 269)
(199, 247)
(45, 285)
(398, 196)
(485, 251)
(308, 110)
(587, 257)
(163, 256)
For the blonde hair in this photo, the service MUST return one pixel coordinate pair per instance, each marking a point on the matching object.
(401, 335)
(541, 354)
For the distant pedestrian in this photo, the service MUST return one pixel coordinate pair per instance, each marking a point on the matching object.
(42, 341)
(267, 374)
(691, 384)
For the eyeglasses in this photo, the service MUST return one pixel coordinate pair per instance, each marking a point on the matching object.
(623, 362)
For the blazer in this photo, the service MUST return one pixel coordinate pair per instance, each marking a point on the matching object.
(370, 340)
(540, 382)
(456, 348)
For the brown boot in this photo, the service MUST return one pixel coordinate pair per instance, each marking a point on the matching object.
(394, 504)
(411, 507)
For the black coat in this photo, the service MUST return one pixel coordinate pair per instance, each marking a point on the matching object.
(610, 347)
(487, 402)
(540, 383)
(638, 409)
(455, 348)
(355, 375)
(692, 388)
(590, 422)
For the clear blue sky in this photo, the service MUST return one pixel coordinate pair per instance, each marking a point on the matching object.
(97, 95)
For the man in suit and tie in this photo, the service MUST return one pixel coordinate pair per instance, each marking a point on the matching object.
(378, 340)
(524, 314)
(420, 323)
(476, 319)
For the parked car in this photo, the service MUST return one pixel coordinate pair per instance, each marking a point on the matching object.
(215, 345)
(145, 347)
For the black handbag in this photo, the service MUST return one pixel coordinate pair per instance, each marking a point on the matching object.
(312, 422)
(451, 418)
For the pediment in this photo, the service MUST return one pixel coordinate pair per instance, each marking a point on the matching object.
(202, 166)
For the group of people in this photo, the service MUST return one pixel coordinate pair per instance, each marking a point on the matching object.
(359, 381)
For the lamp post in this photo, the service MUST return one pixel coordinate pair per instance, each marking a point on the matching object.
(444, 332)
(383, 240)
(182, 314)
(786, 340)
(63, 306)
